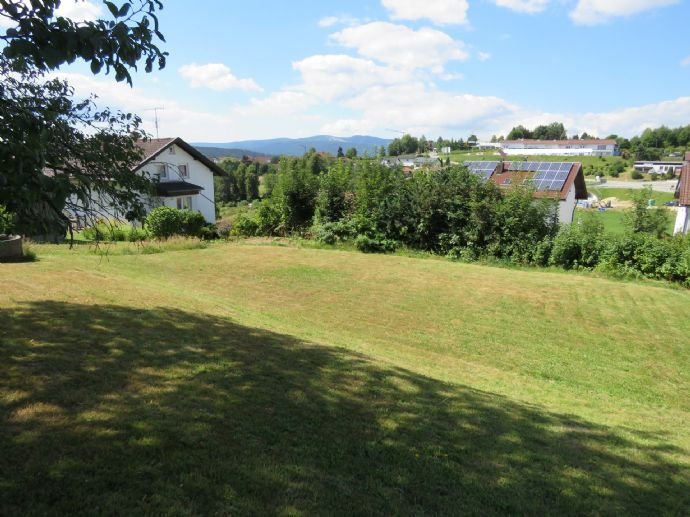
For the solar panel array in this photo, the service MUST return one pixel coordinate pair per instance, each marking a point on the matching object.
(541, 166)
(550, 176)
(486, 169)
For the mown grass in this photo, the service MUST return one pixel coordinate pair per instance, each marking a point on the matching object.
(627, 194)
(615, 222)
(245, 379)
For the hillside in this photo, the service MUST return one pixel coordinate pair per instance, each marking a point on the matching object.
(298, 146)
(221, 152)
(256, 379)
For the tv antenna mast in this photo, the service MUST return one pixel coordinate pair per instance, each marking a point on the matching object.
(155, 114)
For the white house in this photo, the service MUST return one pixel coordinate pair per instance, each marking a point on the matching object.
(560, 147)
(185, 175)
(682, 225)
(184, 180)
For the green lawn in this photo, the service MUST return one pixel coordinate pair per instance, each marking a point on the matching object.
(259, 379)
(614, 221)
(627, 194)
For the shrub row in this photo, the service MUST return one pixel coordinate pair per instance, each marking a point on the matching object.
(161, 223)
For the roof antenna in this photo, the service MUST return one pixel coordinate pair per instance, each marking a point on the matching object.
(155, 114)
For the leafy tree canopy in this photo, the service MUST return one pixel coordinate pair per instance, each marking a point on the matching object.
(61, 155)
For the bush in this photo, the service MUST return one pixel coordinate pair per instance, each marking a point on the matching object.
(113, 232)
(578, 245)
(245, 225)
(164, 222)
(137, 234)
(192, 222)
(7, 221)
(330, 233)
(224, 228)
(379, 244)
(637, 175)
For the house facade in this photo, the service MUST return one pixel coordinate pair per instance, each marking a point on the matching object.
(682, 226)
(184, 175)
(561, 147)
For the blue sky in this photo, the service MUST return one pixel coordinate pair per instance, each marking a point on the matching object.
(242, 70)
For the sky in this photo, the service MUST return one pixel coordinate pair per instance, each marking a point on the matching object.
(451, 68)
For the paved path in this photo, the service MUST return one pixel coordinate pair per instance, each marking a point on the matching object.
(659, 186)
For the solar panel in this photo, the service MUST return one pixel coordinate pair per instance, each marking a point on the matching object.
(482, 168)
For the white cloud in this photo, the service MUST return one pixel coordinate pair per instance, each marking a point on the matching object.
(593, 12)
(216, 76)
(524, 6)
(277, 104)
(442, 12)
(400, 46)
(345, 19)
(79, 10)
(328, 21)
(685, 62)
(332, 76)
(483, 56)
(417, 108)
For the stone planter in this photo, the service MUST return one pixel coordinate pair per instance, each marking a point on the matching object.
(11, 249)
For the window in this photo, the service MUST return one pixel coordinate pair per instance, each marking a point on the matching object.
(184, 203)
(160, 170)
(183, 171)
(171, 149)
(507, 181)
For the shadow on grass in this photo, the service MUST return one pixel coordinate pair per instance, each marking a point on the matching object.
(111, 410)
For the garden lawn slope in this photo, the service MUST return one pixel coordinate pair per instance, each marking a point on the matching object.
(251, 379)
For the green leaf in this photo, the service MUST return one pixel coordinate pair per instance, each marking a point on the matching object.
(112, 8)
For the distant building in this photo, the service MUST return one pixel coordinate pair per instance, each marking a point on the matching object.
(560, 147)
(650, 167)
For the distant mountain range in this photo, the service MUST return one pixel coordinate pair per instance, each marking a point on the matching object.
(297, 146)
(216, 152)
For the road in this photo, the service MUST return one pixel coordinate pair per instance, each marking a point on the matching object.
(659, 186)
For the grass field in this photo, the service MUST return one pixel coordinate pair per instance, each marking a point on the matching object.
(614, 221)
(262, 379)
(627, 194)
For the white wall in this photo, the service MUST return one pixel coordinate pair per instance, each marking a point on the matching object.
(682, 221)
(199, 174)
(566, 208)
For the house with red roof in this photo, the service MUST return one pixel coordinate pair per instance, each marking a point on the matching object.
(560, 181)
(184, 175)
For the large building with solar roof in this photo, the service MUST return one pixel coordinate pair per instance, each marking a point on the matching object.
(564, 181)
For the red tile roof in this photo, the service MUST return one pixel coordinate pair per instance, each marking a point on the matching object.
(575, 176)
(684, 186)
(155, 146)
